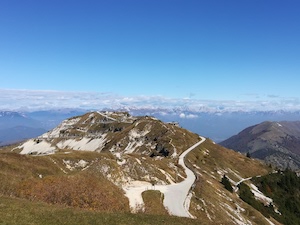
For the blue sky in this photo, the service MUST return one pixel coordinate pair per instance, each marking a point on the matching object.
(245, 50)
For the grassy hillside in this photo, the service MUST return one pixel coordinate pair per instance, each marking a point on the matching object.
(76, 185)
(14, 211)
(42, 179)
(284, 188)
(211, 201)
(89, 185)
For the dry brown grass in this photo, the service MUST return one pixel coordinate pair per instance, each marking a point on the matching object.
(23, 212)
(154, 203)
(220, 158)
(16, 168)
(83, 191)
(38, 178)
(210, 161)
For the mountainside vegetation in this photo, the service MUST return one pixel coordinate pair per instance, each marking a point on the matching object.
(284, 188)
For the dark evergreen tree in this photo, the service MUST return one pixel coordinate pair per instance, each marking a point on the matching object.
(225, 181)
(248, 155)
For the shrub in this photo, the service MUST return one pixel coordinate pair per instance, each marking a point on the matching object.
(225, 181)
(245, 194)
(248, 155)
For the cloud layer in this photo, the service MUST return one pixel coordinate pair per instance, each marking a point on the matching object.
(28, 100)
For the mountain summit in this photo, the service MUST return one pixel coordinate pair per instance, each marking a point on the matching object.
(116, 132)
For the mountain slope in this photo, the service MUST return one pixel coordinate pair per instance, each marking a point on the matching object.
(210, 200)
(278, 143)
(125, 153)
(133, 143)
(115, 132)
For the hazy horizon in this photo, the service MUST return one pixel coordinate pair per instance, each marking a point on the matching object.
(34, 100)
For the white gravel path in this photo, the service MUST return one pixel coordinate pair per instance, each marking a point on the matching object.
(176, 199)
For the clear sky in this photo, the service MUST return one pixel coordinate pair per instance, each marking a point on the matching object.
(212, 49)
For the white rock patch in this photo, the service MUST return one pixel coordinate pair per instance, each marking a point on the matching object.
(260, 196)
(41, 147)
(84, 144)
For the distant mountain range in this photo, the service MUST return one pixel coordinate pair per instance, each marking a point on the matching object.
(18, 126)
(219, 126)
(278, 143)
(18, 133)
(9, 119)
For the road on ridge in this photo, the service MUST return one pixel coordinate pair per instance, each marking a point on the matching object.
(175, 195)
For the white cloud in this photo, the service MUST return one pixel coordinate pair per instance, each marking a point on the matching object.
(182, 115)
(191, 116)
(28, 100)
(187, 116)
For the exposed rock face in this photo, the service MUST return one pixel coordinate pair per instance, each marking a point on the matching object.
(278, 143)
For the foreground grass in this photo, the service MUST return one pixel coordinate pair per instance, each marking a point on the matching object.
(23, 212)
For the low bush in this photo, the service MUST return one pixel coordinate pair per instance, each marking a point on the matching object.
(225, 181)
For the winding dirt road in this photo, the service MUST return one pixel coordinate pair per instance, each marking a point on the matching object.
(175, 195)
